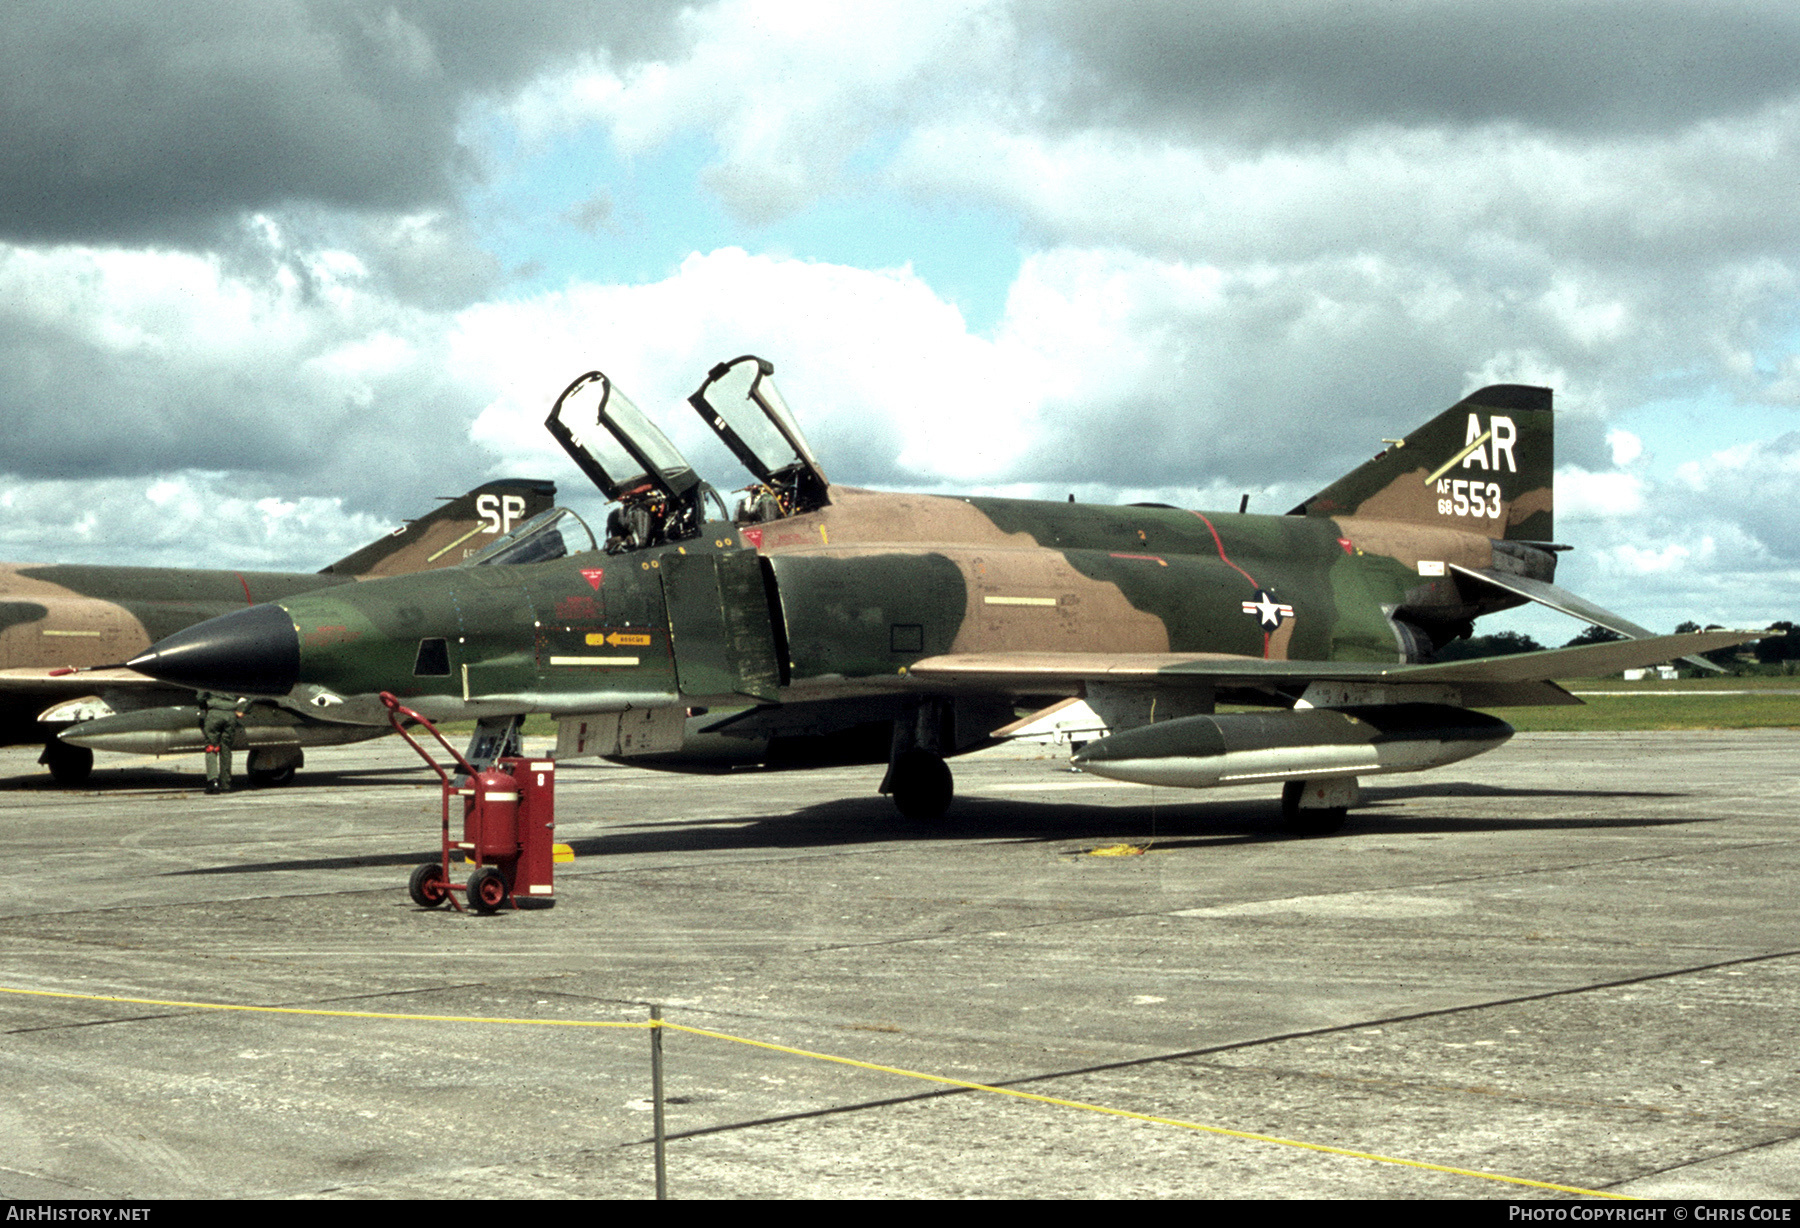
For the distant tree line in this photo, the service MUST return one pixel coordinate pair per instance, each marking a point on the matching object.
(1777, 653)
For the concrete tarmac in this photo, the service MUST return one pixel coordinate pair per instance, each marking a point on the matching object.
(1574, 961)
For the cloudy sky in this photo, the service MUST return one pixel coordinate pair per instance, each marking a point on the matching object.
(276, 273)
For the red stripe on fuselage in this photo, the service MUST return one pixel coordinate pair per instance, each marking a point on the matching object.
(1227, 561)
(1222, 555)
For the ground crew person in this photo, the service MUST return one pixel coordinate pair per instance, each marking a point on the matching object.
(220, 726)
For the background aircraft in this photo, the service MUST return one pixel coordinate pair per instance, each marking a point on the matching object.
(56, 618)
(912, 627)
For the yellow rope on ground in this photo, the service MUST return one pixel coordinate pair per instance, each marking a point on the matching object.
(305, 1010)
(1162, 1121)
(1371, 1156)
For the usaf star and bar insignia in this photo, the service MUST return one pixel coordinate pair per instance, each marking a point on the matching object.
(1269, 612)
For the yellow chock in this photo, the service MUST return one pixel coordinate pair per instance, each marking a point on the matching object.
(1119, 850)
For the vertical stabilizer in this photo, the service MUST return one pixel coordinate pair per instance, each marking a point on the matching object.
(449, 534)
(1484, 465)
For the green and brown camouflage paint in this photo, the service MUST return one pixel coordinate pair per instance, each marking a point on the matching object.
(62, 616)
(844, 600)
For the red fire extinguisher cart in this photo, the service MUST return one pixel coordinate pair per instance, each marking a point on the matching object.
(509, 828)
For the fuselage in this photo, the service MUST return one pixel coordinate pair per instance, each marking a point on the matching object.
(55, 616)
(843, 600)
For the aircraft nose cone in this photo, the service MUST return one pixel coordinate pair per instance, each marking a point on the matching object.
(253, 651)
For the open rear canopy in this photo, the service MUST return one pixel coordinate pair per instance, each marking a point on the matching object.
(740, 402)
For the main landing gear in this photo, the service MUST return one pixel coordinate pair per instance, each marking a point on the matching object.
(917, 778)
(273, 766)
(70, 766)
(920, 783)
(1318, 807)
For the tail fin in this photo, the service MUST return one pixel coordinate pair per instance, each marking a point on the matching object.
(450, 533)
(1486, 464)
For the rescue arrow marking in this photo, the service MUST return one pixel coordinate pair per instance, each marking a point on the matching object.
(634, 639)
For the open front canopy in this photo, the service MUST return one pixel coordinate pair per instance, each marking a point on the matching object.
(629, 452)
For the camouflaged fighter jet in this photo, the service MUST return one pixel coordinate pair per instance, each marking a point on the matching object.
(838, 624)
(59, 622)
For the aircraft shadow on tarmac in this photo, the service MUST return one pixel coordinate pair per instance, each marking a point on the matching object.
(173, 780)
(142, 778)
(1187, 824)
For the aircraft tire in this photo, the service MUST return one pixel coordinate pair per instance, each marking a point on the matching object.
(922, 786)
(427, 887)
(69, 765)
(1307, 822)
(282, 773)
(487, 889)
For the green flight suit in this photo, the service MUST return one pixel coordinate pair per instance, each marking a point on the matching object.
(220, 726)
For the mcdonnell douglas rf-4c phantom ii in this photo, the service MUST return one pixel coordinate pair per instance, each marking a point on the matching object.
(836, 623)
(60, 622)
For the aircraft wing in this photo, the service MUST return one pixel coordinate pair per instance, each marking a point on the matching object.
(53, 687)
(1517, 680)
(75, 683)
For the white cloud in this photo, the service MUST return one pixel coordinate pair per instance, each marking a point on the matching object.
(1581, 495)
(188, 519)
(280, 370)
(1500, 194)
(883, 375)
(787, 92)
(1641, 561)
(1625, 446)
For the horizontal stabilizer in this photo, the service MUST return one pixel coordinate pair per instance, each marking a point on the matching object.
(1564, 602)
(1586, 661)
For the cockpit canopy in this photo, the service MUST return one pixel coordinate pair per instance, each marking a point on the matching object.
(633, 453)
(660, 498)
(739, 401)
(554, 534)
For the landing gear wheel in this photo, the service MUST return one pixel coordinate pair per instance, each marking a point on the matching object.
(1308, 822)
(273, 766)
(487, 889)
(921, 785)
(69, 765)
(427, 886)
